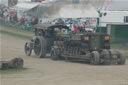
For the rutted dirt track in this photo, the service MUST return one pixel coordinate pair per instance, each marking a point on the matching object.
(48, 72)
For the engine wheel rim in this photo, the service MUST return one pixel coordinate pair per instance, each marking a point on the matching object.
(37, 47)
(27, 49)
(92, 58)
(53, 54)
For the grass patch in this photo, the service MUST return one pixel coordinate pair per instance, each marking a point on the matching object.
(8, 26)
(12, 70)
(15, 35)
(120, 46)
(16, 31)
(116, 46)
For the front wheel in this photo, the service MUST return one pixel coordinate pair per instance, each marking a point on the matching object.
(28, 48)
(95, 58)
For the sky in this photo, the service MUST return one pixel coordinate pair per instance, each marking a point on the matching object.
(114, 5)
(98, 4)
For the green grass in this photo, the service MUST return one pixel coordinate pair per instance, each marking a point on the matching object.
(12, 70)
(15, 35)
(15, 27)
(18, 32)
(120, 46)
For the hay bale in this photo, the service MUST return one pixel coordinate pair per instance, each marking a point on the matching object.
(14, 63)
(17, 63)
(4, 65)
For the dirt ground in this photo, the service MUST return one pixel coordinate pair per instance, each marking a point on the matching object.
(48, 72)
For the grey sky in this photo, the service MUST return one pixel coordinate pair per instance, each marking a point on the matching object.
(115, 4)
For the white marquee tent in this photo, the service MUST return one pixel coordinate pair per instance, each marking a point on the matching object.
(24, 6)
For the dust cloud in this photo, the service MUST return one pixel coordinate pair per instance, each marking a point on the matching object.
(64, 10)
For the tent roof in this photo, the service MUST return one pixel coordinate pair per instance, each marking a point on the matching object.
(25, 6)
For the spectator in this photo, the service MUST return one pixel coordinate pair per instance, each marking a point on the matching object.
(72, 27)
(36, 20)
(75, 29)
(22, 20)
(5, 15)
(1, 15)
(11, 16)
(33, 21)
(60, 21)
(15, 20)
(41, 0)
(83, 27)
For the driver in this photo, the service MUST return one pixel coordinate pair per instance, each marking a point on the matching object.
(64, 31)
(57, 31)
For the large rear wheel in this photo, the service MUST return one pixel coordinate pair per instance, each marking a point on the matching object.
(17, 63)
(40, 47)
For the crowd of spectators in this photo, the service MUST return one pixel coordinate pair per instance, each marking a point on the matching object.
(74, 25)
(7, 15)
(10, 17)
